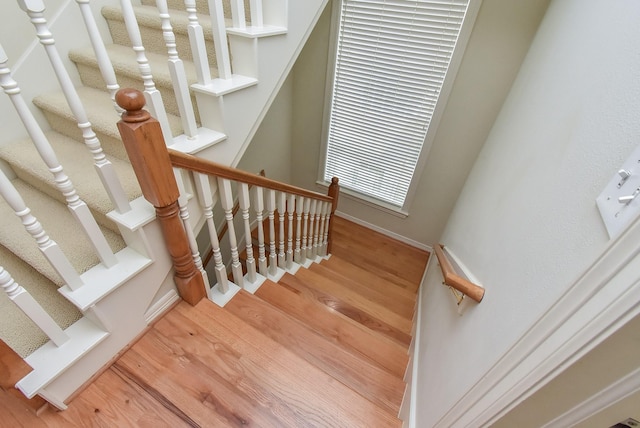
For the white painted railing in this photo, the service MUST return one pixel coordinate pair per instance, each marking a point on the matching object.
(298, 212)
(102, 57)
(32, 308)
(47, 246)
(35, 11)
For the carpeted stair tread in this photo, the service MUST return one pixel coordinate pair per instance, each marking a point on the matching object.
(101, 113)
(16, 329)
(334, 326)
(202, 6)
(78, 165)
(150, 27)
(124, 63)
(58, 223)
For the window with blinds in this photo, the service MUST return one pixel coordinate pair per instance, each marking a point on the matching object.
(391, 61)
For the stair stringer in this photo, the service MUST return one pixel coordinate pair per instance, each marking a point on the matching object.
(124, 314)
(239, 113)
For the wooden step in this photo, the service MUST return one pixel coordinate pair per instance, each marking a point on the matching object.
(296, 284)
(373, 383)
(385, 257)
(371, 280)
(375, 310)
(339, 329)
(398, 304)
(233, 365)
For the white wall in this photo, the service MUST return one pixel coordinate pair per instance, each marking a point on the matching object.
(526, 223)
(271, 146)
(498, 43)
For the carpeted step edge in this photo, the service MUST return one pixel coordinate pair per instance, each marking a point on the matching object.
(78, 165)
(16, 329)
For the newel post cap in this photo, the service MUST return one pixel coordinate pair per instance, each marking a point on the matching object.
(132, 101)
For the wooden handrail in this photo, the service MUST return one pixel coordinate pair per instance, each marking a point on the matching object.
(452, 279)
(204, 166)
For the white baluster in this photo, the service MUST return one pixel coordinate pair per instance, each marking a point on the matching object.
(325, 240)
(35, 9)
(220, 39)
(151, 94)
(312, 218)
(259, 209)
(178, 74)
(205, 196)
(48, 247)
(104, 63)
(257, 19)
(32, 308)
(271, 207)
(238, 14)
(184, 215)
(316, 232)
(78, 208)
(323, 219)
(299, 205)
(244, 203)
(198, 47)
(305, 230)
(282, 208)
(291, 206)
(226, 200)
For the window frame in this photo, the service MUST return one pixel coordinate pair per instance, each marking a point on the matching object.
(466, 30)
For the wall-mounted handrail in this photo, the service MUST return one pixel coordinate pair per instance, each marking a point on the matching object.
(182, 160)
(452, 279)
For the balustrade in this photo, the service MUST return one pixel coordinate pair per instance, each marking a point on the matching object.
(47, 246)
(32, 308)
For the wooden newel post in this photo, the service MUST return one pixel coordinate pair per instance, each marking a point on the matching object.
(334, 192)
(145, 145)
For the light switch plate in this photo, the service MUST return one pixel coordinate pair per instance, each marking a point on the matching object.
(617, 213)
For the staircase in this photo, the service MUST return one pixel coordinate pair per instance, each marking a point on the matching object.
(326, 347)
(103, 288)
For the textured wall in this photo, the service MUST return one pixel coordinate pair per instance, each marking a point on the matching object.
(526, 223)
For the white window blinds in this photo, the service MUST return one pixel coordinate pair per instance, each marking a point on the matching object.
(392, 58)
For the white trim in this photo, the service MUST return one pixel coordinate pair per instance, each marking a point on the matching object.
(385, 232)
(366, 200)
(617, 391)
(411, 391)
(598, 303)
(161, 306)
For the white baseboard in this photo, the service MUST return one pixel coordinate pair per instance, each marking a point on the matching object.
(409, 404)
(385, 232)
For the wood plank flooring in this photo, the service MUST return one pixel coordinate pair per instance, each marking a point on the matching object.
(324, 348)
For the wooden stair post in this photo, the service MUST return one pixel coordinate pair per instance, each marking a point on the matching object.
(146, 148)
(334, 192)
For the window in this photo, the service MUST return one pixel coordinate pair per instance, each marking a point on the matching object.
(391, 61)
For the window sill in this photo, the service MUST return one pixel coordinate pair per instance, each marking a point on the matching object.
(365, 200)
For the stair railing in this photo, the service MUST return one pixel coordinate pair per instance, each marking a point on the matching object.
(143, 140)
(153, 162)
(32, 308)
(46, 245)
(35, 10)
(77, 206)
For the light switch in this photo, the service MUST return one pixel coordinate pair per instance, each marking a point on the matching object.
(619, 203)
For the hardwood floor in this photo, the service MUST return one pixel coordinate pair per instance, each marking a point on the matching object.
(324, 348)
